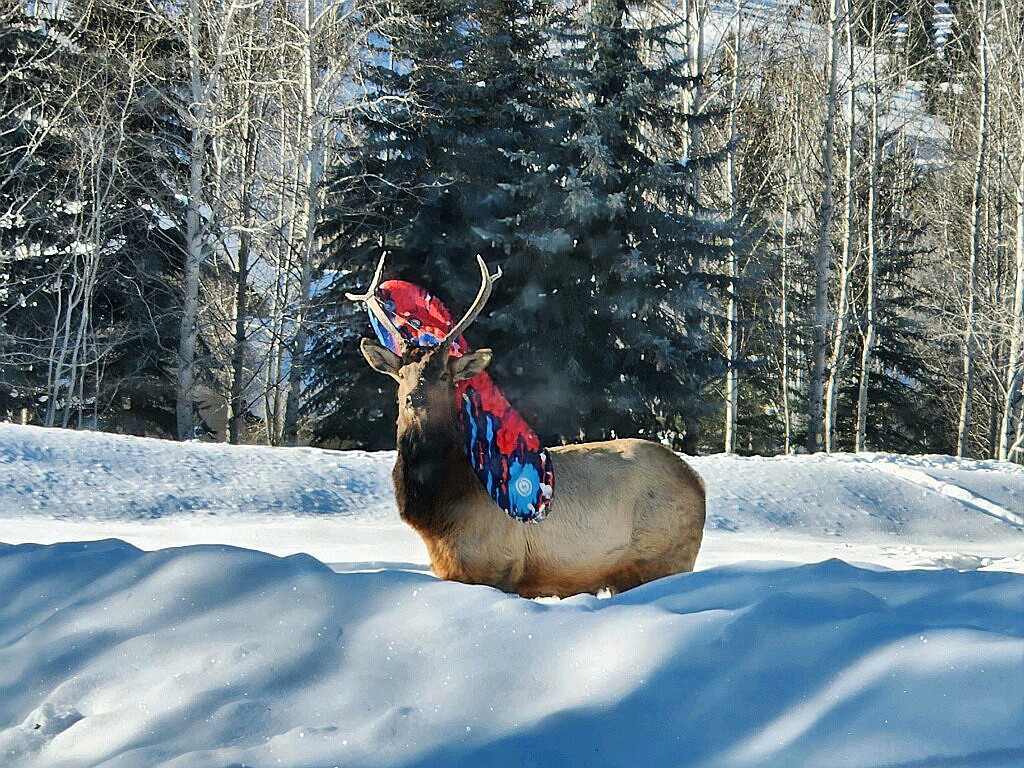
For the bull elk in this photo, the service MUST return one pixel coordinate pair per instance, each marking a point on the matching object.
(624, 511)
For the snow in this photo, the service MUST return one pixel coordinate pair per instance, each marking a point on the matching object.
(175, 609)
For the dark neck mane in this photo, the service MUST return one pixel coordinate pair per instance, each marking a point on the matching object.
(426, 475)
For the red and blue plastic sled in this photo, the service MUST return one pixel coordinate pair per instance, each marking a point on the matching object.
(506, 454)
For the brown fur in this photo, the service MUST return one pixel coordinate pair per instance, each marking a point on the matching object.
(624, 512)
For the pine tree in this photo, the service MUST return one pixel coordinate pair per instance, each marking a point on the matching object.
(36, 225)
(428, 182)
(904, 391)
(93, 168)
(138, 302)
(609, 338)
(548, 143)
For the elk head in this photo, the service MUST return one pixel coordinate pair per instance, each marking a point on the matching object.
(426, 376)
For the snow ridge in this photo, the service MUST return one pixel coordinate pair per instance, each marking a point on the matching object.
(924, 480)
(213, 655)
(216, 656)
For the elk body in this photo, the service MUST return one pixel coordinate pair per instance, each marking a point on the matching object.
(624, 512)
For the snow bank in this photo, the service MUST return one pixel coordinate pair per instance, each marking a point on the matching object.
(214, 656)
(218, 656)
(867, 496)
(59, 473)
(897, 511)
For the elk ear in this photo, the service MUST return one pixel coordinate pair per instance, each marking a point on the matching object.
(469, 365)
(380, 358)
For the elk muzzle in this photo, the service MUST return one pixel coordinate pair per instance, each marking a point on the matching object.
(416, 400)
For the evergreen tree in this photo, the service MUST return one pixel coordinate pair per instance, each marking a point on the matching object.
(428, 182)
(36, 224)
(98, 249)
(139, 302)
(549, 143)
(905, 384)
(609, 338)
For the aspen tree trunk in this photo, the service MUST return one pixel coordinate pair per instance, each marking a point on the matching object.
(823, 248)
(1014, 368)
(289, 280)
(312, 174)
(238, 404)
(250, 146)
(63, 333)
(1012, 421)
(835, 364)
(98, 145)
(79, 364)
(694, 11)
(53, 365)
(275, 395)
(204, 198)
(107, 180)
(731, 326)
(189, 328)
(63, 376)
(195, 234)
(76, 366)
(867, 350)
(73, 324)
(996, 285)
(61, 345)
(969, 340)
(784, 305)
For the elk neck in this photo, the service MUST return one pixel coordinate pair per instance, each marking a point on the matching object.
(429, 473)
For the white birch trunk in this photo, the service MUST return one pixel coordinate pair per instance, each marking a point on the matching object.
(870, 333)
(732, 326)
(52, 362)
(835, 364)
(91, 260)
(1014, 367)
(195, 235)
(695, 12)
(275, 394)
(250, 113)
(823, 248)
(787, 417)
(969, 339)
(310, 188)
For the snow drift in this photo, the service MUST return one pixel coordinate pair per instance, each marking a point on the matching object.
(214, 655)
(58, 485)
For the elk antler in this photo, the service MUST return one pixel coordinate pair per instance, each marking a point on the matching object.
(487, 283)
(370, 297)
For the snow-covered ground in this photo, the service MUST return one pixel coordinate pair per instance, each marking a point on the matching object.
(846, 611)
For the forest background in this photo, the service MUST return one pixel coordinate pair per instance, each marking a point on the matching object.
(756, 227)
